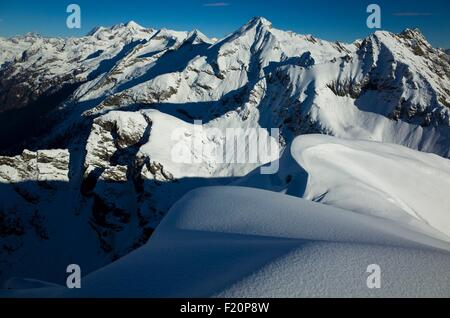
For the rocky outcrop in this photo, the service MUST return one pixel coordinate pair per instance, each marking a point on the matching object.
(28, 184)
(113, 180)
(111, 142)
(43, 165)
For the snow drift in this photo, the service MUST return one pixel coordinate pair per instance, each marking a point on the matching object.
(383, 180)
(264, 244)
(245, 242)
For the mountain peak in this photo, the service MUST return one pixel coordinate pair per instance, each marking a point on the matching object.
(196, 37)
(130, 25)
(412, 33)
(95, 30)
(133, 25)
(259, 21)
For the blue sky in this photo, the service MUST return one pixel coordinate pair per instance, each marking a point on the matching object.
(332, 20)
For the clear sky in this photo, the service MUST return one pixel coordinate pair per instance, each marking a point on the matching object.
(331, 20)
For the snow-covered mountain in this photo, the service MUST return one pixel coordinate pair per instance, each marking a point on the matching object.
(86, 125)
(269, 244)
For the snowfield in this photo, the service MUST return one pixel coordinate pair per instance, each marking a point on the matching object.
(265, 244)
(383, 180)
(245, 242)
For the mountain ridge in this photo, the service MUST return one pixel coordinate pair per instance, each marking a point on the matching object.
(109, 101)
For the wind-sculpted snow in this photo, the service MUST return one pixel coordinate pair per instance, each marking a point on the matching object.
(383, 180)
(115, 99)
(242, 242)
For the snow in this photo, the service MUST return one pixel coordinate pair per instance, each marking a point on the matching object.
(43, 165)
(242, 242)
(188, 150)
(147, 66)
(245, 242)
(381, 179)
(378, 179)
(140, 85)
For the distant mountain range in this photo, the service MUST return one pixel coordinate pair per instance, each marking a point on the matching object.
(86, 123)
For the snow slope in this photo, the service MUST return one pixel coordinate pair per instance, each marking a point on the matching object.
(242, 242)
(398, 179)
(378, 179)
(375, 203)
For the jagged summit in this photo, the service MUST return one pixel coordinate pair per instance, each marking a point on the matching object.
(413, 38)
(95, 30)
(196, 37)
(412, 33)
(258, 25)
(130, 25)
(134, 25)
(258, 21)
